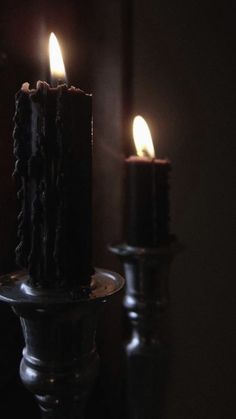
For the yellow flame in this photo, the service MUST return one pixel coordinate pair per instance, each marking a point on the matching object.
(142, 138)
(56, 61)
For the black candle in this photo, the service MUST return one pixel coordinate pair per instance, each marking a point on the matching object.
(146, 193)
(53, 147)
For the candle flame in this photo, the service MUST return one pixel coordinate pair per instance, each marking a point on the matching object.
(142, 138)
(56, 61)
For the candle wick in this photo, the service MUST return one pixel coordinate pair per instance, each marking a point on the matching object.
(60, 82)
(145, 153)
(57, 82)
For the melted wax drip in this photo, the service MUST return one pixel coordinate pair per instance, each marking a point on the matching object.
(60, 234)
(36, 171)
(22, 151)
(40, 249)
(44, 150)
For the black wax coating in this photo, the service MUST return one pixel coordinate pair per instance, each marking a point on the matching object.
(53, 148)
(146, 202)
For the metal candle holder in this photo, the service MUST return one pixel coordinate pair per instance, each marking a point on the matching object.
(145, 301)
(59, 361)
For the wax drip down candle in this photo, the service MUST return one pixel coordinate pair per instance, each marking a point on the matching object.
(53, 150)
(146, 192)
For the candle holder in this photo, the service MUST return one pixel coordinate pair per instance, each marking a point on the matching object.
(146, 298)
(59, 361)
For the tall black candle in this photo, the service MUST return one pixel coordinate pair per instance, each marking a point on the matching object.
(146, 193)
(53, 147)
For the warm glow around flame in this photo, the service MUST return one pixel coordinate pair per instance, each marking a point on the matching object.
(142, 138)
(56, 61)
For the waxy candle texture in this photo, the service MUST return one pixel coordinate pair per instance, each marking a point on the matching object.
(53, 147)
(146, 201)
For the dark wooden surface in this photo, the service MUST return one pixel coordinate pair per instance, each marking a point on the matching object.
(184, 84)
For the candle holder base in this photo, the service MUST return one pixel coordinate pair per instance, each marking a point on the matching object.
(60, 361)
(145, 302)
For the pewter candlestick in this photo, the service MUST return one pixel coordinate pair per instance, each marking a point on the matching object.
(60, 361)
(145, 301)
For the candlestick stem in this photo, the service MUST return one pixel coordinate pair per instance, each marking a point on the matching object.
(60, 361)
(145, 302)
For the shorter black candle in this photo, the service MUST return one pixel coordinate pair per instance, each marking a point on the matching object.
(146, 201)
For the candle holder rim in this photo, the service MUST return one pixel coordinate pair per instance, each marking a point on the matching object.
(125, 250)
(14, 289)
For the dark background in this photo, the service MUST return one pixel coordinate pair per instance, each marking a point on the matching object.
(172, 62)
